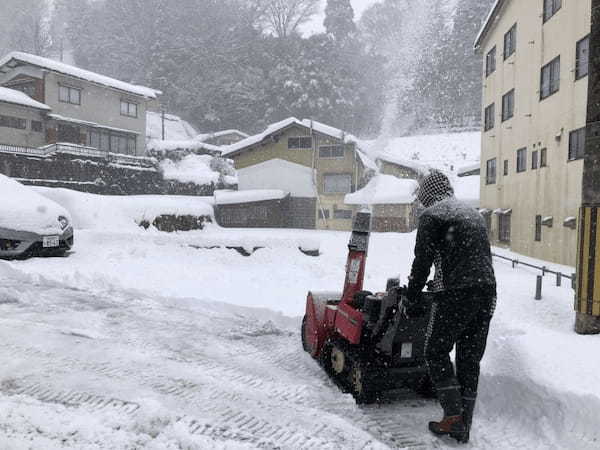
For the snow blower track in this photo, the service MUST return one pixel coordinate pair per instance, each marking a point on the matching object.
(227, 376)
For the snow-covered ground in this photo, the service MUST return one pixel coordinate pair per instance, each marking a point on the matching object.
(141, 339)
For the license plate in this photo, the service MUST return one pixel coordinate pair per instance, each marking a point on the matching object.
(50, 241)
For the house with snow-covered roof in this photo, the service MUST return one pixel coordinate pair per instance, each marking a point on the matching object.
(21, 119)
(316, 163)
(223, 137)
(85, 108)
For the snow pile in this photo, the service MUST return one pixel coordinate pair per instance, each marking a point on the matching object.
(249, 196)
(190, 169)
(57, 66)
(19, 98)
(277, 173)
(385, 189)
(22, 209)
(124, 213)
(447, 152)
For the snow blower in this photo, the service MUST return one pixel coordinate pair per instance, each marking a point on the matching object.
(362, 340)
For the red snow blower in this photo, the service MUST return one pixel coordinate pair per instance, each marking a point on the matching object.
(362, 340)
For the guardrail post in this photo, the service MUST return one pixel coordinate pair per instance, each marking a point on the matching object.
(514, 263)
(558, 279)
(538, 287)
(544, 269)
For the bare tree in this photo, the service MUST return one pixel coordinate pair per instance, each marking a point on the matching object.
(284, 17)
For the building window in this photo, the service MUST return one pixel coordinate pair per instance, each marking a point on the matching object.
(534, 160)
(490, 174)
(583, 58)
(490, 62)
(337, 183)
(543, 157)
(331, 151)
(521, 160)
(129, 109)
(538, 228)
(94, 139)
(342, 214)
(26, 88)
(550, 79)
(504, 228)
(551, 7)
(510, 41)
(508, 105)
(505, 167)
(577, 144)
(490, 113)
(37, 126)
(67, 94)
(13, 122)
(300, 143)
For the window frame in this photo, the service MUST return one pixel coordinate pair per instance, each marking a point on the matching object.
(510, 42)
(504, 228)
(538, 228)
(490, 61)
(521, 160)
(340, 191)
(69, 98)
(553, 9)
(505, 168)
(535, 164)
(489, 114)
(342, 214)
(579, 152)
(330, 147)
(543, 158)
(128, 104)
(16, 123)
(505, 103)
(578, 60)
(490, 171)
(37, 126)
(299, 146)
(552, 69)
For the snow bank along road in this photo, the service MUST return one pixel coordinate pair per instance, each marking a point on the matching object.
(125, 345)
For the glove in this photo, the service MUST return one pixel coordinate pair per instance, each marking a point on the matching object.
(414, 308)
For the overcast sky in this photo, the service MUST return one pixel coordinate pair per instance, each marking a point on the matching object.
(317, 24)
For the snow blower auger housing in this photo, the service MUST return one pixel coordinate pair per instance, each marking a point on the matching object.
(361, 339)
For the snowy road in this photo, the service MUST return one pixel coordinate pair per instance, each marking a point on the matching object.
(94, 358)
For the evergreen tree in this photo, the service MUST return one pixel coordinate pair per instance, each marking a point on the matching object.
(339, 19)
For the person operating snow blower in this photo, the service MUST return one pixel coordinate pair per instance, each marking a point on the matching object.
(453, 237)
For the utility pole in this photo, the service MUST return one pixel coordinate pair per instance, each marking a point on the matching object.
(587, 298)
(163, 123)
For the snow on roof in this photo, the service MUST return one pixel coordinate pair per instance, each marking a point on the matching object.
(467, 189)
(176, 129)
(19, 98)
(192, 145)
(367, 162)
(89, 124)
(470, 169)
(445, 151)
(273, 128)
(217, 134)
(250, 196)
(66, 69)
(385, 189)
(488, 23)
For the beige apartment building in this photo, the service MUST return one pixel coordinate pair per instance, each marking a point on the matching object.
(535, 84)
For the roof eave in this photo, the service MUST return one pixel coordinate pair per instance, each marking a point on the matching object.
(488, 24)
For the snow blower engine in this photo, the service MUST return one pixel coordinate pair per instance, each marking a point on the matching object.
(362, 340)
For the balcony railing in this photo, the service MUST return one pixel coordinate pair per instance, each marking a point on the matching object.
(79, 150)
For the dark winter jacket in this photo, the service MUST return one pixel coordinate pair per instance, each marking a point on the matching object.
(456, 235)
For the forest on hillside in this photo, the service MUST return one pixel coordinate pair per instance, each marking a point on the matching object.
(406, 66)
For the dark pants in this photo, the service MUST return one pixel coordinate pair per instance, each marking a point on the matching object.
(459, 317)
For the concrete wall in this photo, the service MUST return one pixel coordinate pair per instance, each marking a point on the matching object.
(277, 148)
(554, 190)
(27, 137)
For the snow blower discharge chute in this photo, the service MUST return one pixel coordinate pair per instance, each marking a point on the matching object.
(362, 340)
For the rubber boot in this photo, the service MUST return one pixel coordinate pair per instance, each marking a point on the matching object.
(452, 424)
(468, 404)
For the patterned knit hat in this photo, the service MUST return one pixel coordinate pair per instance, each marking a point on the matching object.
(434, 188)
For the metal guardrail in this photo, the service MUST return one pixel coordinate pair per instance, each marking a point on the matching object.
(545, 270)
(5, 148)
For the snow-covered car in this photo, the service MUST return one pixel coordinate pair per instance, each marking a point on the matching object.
(30, 224)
